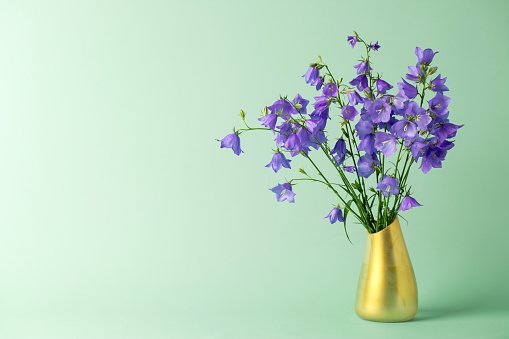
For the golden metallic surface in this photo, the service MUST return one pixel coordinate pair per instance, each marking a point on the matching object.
(387, 290)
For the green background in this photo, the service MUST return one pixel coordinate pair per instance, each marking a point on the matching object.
(120, 216)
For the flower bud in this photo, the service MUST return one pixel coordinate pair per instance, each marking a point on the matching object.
(242, 114)
(319, 67)
(433, 70)
(302, 171)
(320, 58)
(298, 106)
(265, 111)
(348, 91)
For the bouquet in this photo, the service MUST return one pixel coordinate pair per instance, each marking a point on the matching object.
(374, 145)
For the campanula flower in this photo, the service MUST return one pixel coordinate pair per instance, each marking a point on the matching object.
(415, 73)
(354, 98)
(339, 148)
(388, 185)
(379, 110)
(374, 46)
(283, 192)
(407, 203)
(361, 82)
(367, 144)
(278, 161)
(352, 40)
(425, 57)
(365, 166)
(283, 107)
(432, 158)
(437, 84)
(439, 104)
(364, 128)
(301, 103)
(409, 90)
(330, 90)
(269, 121)
(349, 113)
(363, 67)
(386, 143)
(293, 144)
(350, 169)
(231, 141)
(335, 215)
(318, 83)
(382, 86)
(311, 74)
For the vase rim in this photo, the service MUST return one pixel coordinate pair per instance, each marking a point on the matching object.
(396, 220)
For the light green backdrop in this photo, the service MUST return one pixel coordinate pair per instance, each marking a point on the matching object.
(120, 217)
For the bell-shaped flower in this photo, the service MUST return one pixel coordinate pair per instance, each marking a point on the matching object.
(299, 100)
(363, 67)
(432, 158)
(367, 144)
(269, 121)
(318, 83)
(231, 141)
(415, 73)
(339, 148)
(438, 84)
(350, 169)
(382, 86)
(293, 144)
(349, 113)
(335, 215)
(284, 108)
(425, 57)
(352, 40)
(409, 90)
(386, 143)
(438, 104)
(364, 128)
(407, 203)
(388, 185)
(365, 166)
(278, 161)
(283, 192)
(379, 110)
(330, 90)
(361, 82)
(354, 98)
(311, 74)
(374, 46)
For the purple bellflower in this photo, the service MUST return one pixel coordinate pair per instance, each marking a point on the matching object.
(330, 90)
(284, 107)
(293, 144)
(409, 90)
(367, 144)
(349, 113)
(354, 98)
(388, 185)
(365, 166)
(352, 40)
(364, 128)
(335, 215)
(407, 203)
(301, 103)
(386, 143)
(231, 141)
(361, 82)
(350, 169)
(415, 73)
(374, 46)
(382, 86)
(439, 104)
(278, 161)
(425, 57)
(311, 74)
(318, 83)
(339, 148)
(438, 84)
(379, 110)
(432, 158)
(363, 67)
(269, 121)
(283, 192)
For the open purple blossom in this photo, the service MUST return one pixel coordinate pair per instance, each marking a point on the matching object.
(367, 144)
(388, 185)
(382, 86)
(284, 108)
(269, 121)
(311, 74)
(335, 215)
(361, 82)
(374, 46)
(352, 40)
(379, 111)
(407, 203)
(283, 192)
(354, 98)
(415, 73)
(300, 103)
(330, 90)
(364, 128)
(278, 160)
(438, 84)
(363, 67)
(349, 113)
(293, 144)
(386, 143)
(425, 57)
(365, 166)
(409, 90)
(432, 158)
(438, 104)
(231, 141)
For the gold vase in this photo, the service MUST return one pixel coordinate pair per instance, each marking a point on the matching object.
(387, 290)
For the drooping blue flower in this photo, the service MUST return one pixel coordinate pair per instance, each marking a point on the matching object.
(311, 74)
(367, 144)
(437, 84)
(363, 67)
(278, 160)
(407, 203)
(438, 104)
(425, 57)
(382, 86)
(283, 192)
(350, 169)
(269, 121)
(409, 90)
(374, 46)
(447, 130)
(283, 107)
(365, 166)
(388, 185)
(330, 90)
(318, 83)
(354, 98)
(352, 40)
(293, 144)
(432, 158)
(231, 141)
(349, 113)
(364, 128)
(339, 160)
(386, 143)
(339, 148)
(335, 215)
(361, 82)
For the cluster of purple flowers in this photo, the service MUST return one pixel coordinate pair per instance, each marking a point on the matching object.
(385, 122)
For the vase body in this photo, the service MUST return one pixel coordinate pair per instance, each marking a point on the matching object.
(387, 290)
